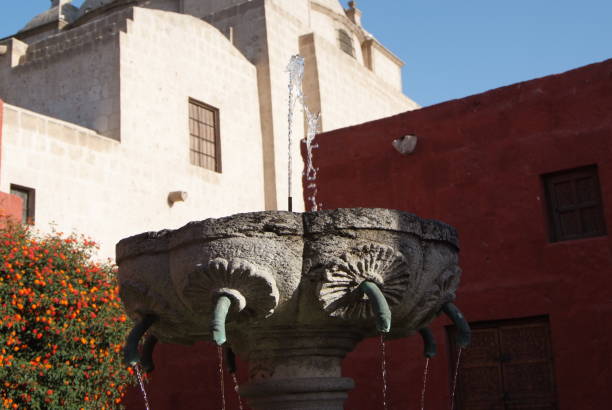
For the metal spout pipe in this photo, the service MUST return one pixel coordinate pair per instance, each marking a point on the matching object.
(429, 343)
(131, 357)
(379, 304)
(147, 353)
(217, 324)
(464, 333)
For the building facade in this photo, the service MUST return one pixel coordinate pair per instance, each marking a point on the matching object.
(114, 110)
(524, 173)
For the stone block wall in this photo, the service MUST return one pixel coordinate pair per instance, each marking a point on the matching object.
(76, 174)
(108, 189)
(386, 66)
(73, 75)
(349, 92)
(187, 58)
(200, 8)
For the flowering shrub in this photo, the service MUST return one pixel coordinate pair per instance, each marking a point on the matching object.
(61, 324)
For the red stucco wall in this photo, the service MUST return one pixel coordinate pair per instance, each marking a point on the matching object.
(477, 166)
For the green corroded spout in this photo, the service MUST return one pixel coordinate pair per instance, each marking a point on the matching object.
(147, 353)
(379, 304)
(131, 356)
(464, 333)
(217, 325)
(429, 343)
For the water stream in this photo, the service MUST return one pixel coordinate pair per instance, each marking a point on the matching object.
(452, 398)
(220, 355)
(383, 369)
(236, 390)
(424, 384)
(311, 171)
(296, 94)
(142, 386)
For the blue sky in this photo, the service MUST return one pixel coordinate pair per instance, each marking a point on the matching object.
(456, 48)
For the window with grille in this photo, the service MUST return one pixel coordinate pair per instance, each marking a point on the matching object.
(27, 196)
(204, 141)
(346, 43)
(508, 365)
(574, 204)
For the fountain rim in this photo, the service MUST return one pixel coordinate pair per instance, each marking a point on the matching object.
(311, 223)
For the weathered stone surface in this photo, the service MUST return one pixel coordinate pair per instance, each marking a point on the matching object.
(293, 280)
(317, 393)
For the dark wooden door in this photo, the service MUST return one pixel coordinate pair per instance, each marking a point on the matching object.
(508, 366)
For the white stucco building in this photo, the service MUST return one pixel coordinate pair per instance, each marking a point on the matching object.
(110, 107)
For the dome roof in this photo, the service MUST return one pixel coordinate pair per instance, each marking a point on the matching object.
(60, 9)
(333, 5)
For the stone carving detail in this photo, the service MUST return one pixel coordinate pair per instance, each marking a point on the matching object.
(252, 288)
(441, 291)
(142, 299)
(383, 265)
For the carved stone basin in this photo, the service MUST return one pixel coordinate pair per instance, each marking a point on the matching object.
(295, 283)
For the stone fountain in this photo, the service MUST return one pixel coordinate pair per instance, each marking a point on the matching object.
(291, 293)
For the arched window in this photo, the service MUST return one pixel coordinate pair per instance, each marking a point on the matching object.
(346, 42)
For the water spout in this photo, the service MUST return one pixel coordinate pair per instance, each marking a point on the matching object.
(464, 334)
(217, 325)
(147, 353)
(130, 351)
(379, 304)
(429, 342)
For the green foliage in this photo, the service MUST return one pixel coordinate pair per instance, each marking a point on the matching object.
(61, 324)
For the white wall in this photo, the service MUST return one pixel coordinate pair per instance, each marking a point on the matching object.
(73, 76)
(109, 189)
(349, 93)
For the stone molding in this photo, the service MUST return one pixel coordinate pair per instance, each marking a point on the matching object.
(270, 262)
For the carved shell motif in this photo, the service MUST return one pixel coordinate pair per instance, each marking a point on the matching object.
(140, 300)
(441, 291)
(380, 264)
(252, 287)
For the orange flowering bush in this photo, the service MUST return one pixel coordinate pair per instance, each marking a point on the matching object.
(61, 324)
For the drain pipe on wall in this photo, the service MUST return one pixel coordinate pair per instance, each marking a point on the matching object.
(405, 145)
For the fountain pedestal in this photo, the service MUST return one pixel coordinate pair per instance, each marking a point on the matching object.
(293, 369)
(303, 393)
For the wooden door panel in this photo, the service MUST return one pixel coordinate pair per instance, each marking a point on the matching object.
(526, 380)
(483, 350)
(508, 366)
(481, 384)
(525, 343)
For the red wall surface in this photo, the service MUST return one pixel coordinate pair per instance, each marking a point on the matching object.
(10, 205)
(478, 167)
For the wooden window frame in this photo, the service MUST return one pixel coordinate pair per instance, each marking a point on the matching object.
(30, 205)
(196, 156)
(554, 209)
(346, 42)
